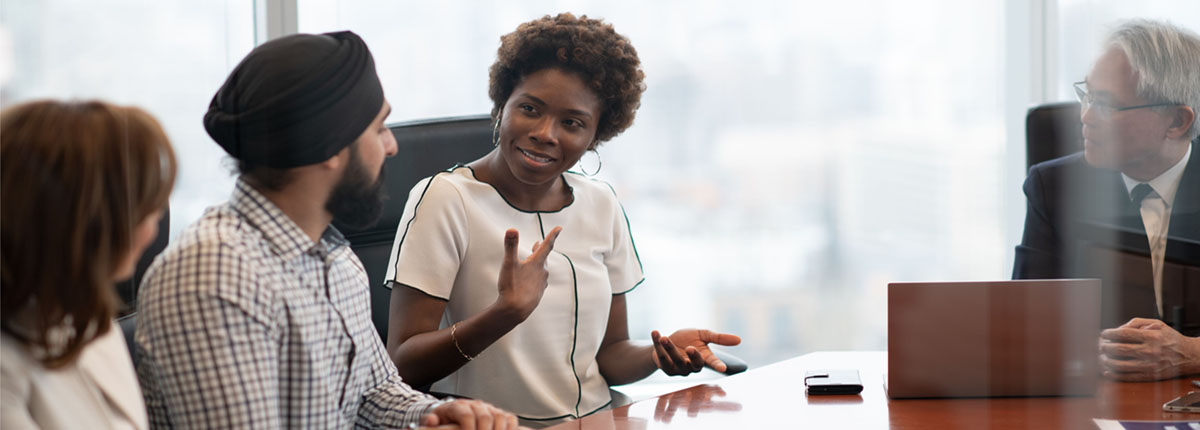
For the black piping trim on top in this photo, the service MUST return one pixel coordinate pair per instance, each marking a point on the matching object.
(568, 415)
(597, 409)
(416, 208)
(628, 229)
(564, 179)
(546, 419)
(634, 287)
(575, 331)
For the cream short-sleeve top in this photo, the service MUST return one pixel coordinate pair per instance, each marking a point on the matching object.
(450, 245)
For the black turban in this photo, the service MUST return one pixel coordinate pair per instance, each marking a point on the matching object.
(296, 100)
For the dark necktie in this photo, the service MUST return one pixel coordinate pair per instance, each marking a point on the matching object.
(1139, 193)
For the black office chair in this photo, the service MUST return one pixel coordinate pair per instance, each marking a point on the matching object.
(423, 148)
(127, 318)
(1052, 130)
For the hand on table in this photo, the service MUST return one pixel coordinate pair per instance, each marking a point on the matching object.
(469, 415)
(1147, 350)
(686, 351)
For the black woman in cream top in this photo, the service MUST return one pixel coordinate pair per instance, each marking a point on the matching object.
(540, 331)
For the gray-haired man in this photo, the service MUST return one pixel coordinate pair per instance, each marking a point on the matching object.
(1139, 172)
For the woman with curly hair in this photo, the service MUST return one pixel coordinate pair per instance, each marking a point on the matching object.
(548, 340)
(84, 186)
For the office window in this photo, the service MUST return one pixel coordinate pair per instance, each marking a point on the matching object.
(166, 57)
(789, 158)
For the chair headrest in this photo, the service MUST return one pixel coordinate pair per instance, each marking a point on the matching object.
(1051, 131)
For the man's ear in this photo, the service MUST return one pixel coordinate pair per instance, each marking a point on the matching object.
(1182, 123)
(337, 161)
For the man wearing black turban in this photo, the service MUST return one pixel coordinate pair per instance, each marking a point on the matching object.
(258, 316)
(298, 101)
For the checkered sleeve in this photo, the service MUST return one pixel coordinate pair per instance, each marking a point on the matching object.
(212, 349)
(390, 403)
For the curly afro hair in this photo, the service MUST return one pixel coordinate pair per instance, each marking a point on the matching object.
(588, 47)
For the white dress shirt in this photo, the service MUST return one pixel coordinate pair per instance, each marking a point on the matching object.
(1156, 216)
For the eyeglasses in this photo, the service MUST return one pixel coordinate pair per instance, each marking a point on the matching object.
(1105, 110)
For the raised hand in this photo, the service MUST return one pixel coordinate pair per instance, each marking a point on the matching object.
(522, 283)
(686, 351)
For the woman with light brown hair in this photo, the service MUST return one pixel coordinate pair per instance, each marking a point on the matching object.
(83, 185)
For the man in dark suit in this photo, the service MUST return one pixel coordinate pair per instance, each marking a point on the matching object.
(1138, 178)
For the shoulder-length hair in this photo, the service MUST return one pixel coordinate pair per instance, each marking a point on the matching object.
(77, 177)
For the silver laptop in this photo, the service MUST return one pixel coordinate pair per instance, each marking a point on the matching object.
(993, 339)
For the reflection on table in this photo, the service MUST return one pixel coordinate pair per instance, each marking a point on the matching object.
(773, 397)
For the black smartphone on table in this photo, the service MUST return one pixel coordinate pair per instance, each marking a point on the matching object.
(832, 381)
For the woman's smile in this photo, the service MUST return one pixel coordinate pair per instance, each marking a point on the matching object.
(536, 159)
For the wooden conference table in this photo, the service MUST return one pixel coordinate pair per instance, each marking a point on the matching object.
(773, 397)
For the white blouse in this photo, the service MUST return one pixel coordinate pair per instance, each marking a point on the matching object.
(450, 245)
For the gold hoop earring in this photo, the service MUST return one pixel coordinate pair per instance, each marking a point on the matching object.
(599, 163)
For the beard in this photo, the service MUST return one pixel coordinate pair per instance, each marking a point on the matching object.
(355, 202)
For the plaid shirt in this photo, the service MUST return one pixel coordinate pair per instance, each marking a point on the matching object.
(245, 322)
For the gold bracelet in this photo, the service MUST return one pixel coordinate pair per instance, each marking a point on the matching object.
(455, 340)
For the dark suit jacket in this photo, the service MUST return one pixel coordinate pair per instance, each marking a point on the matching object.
(1066, 195)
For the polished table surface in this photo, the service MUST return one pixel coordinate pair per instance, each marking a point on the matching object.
(773, 397)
